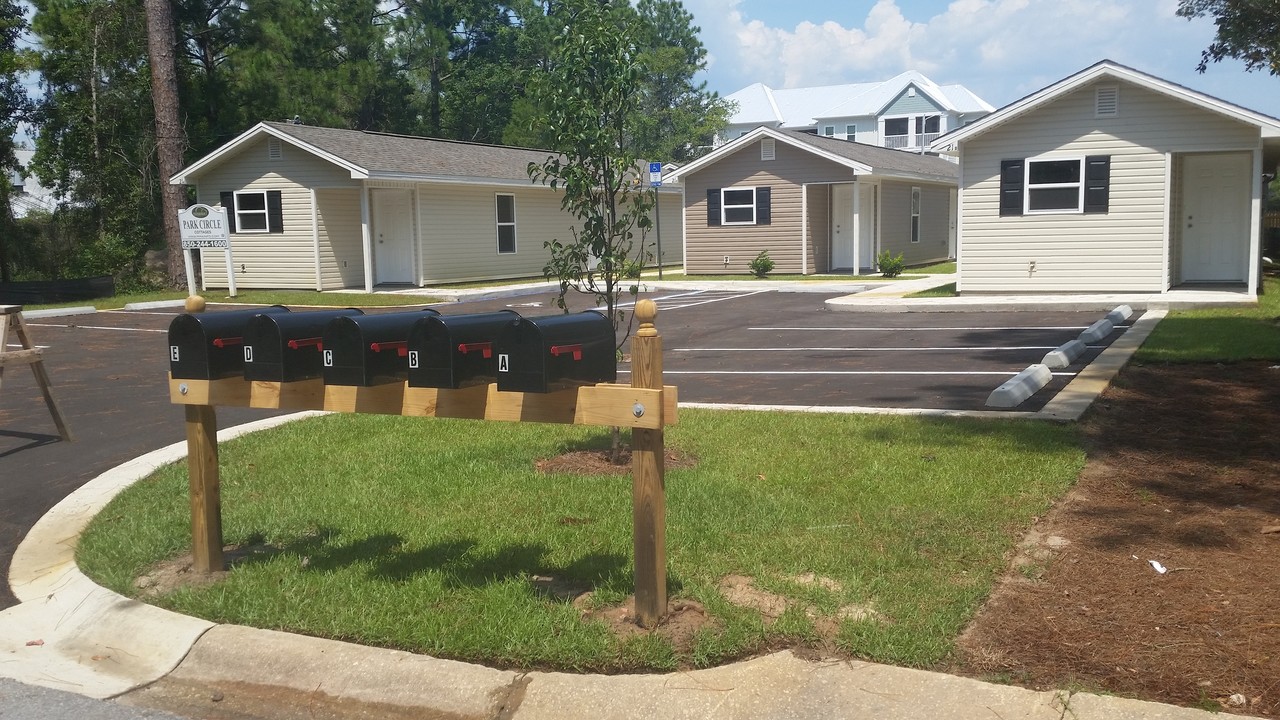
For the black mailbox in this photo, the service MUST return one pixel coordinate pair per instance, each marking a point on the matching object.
(448, 351)
(368, 350)
(287, 347)
(210, 346)
(551, 352)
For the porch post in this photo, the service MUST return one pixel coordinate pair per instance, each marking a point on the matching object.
(1255, 227)
(366, 238)
(804, 229)
(857, 226)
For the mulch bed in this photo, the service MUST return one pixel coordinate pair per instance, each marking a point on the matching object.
(1184, 470)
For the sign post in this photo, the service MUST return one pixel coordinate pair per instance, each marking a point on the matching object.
(205, 228)
(655, 181)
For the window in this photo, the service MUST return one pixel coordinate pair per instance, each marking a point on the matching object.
(829, 130)
(897, 126)
(506, 223)
(851, 132)
(1055, 185)
(915, 214)
(253, 211)
(739, 206)
(928, 124)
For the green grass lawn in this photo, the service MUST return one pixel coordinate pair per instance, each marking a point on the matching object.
(1219, 334)
(948, 290)
(425, 534)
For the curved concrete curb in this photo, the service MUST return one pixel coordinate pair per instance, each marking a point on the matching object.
(68, 632)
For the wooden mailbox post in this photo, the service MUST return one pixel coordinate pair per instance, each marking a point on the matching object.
(646, 406)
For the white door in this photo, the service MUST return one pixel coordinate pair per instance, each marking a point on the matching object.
(393, 236)
(1215, 217)
(866, 226)
(842, 228)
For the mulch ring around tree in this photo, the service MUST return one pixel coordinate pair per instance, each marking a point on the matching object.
(1158, 575)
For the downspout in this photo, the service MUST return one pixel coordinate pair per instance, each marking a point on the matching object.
(366, 239)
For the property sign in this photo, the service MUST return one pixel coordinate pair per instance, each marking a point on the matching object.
(204, 227)
(655, 174)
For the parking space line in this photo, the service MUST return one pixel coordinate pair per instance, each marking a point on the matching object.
(916, 327)
(875, 349)
(95, 327)
(712, 297)
(1002, 373)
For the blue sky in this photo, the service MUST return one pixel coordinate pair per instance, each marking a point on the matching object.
(1000, 49)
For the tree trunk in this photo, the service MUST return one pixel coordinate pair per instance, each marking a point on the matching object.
(161, 45)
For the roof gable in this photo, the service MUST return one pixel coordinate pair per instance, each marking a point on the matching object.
(1106, 70)
(860, 158)
(368, 155)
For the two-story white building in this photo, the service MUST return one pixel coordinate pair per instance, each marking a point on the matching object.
(906, 112)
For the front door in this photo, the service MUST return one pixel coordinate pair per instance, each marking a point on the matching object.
(1216, 197)
(393, 236)
(842, 227)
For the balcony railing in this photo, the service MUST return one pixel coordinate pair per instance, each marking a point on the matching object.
(915, 140)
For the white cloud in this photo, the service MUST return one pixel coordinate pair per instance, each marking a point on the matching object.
(1001, 49)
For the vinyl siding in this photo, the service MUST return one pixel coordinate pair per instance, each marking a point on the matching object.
(269, 260)
(1120, 250)
(707, 246)
(670, 205)
(906, 105)
(895, 221)
(341, 240)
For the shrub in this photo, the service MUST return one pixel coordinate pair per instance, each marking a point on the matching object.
(890, 266)
(762, 265)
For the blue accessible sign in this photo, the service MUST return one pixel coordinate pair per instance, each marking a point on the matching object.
(655, 174)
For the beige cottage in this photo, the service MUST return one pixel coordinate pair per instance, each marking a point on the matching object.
(815, 204)
(323, 208)
(1112, 180)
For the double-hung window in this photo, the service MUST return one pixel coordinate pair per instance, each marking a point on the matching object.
(1044, 186)
(739, 206)
(251, 211)
(506, 223)
(915, 214)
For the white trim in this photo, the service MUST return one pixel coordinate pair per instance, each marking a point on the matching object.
(315, 238)
(857, 226)
(1026, 185)
(1167, 260)
(184, 176)
(684, 229)
(915, 207)
(1252, 266)
(737, 143)
(265, 212)
(804, 227)
(419, 253)
(515, 234)
(366, 239)
(1269, 126)
(724, 206)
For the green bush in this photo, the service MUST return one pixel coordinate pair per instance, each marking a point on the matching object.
(762, 265)
(890, 266)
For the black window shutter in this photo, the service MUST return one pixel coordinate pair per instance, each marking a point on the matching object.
(713, 207)
(1097, 183)
(228, 201)
(1011, 187)
(275, 212)
(763, 205)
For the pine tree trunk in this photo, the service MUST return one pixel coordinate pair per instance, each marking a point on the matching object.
(161, 45)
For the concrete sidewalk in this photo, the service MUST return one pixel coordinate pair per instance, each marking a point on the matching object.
(71, 634)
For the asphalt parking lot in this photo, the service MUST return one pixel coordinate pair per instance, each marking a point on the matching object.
(740, 347)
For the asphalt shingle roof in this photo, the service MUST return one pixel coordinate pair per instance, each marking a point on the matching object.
(885, 161)
(382, 154)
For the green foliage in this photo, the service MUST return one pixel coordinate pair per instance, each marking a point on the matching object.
(890, 265)
(1219, 334)
(762, 265)
(1248, 30)
(589, 91)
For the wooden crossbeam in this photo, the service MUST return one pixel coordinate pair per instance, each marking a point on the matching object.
(12, 321)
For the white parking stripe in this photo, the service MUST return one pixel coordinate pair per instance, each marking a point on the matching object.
(874, 349)
(97, 327)
(711, 296)
(1004, 373)
(915, 327)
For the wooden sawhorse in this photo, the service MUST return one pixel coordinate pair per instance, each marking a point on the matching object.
(11, 319)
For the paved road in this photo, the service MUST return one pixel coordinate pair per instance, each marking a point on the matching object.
(26, 702)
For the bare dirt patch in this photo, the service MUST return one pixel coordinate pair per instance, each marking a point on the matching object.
(679, 626)
(1183, 470)
(600, 462)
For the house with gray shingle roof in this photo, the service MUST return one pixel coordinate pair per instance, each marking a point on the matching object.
(816, 204)
(325, 208)
(907, 111)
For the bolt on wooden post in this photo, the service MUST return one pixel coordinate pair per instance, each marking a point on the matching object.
(648, 483)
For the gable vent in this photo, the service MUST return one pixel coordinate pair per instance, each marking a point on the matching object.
(767, 150)
(1107, 101)
(273, 149)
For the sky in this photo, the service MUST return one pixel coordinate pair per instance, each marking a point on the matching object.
(1002, 50)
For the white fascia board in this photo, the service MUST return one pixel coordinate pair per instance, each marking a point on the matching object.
(918, 177)
(184, 176)
(1269, 126)
(453, 180)
(733, 145)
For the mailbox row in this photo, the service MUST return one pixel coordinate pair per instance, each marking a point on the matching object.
(423, 347)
